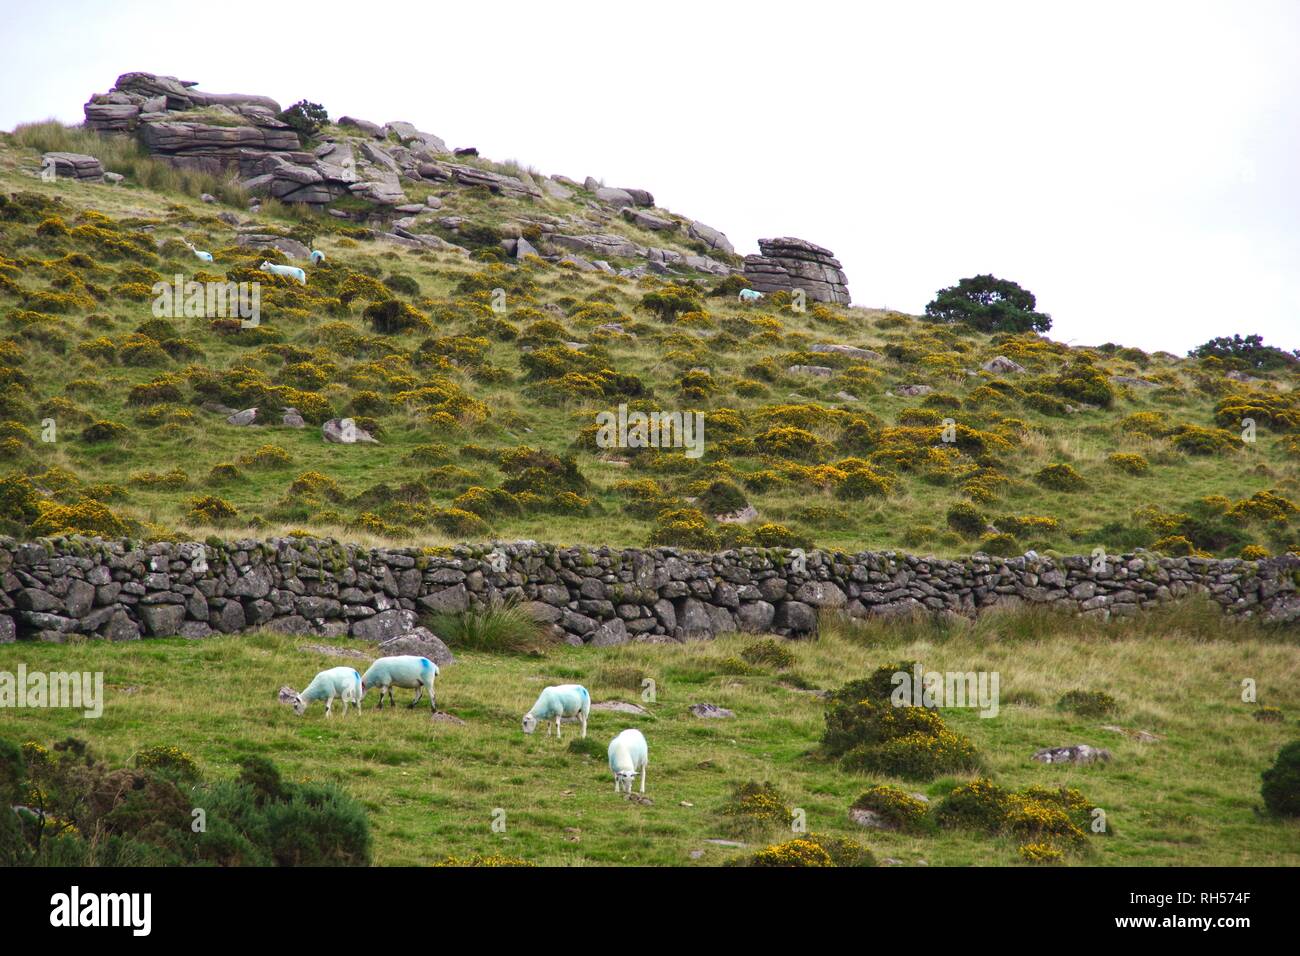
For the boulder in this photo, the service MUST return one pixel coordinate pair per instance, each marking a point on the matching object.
(786, 264)
(648, 220)
(417, 642)
(710, 237)
(1078, 753)
(343, 431)
(75, 166)
(1002, 365)
(614, 197)
(710, 711)
(865, 355)
(364, 127)
(290, 247)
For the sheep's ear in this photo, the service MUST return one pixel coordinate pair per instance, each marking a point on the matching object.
(287, 695)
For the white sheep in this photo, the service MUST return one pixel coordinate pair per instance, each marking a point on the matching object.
(401, 671)
(342, 682)
(749, 295)
(317, 257)
(558, 702)
(198, 253)
(292, 272)
(628, 756)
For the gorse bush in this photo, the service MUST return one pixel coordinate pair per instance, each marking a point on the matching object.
(815, 850)
(769, 652)
(62, 806)
(1055, 818)
(897, 808)
(869, 733)
(755, 807)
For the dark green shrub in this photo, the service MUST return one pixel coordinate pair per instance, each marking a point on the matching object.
(1281, 782)
(967, 520)
(1088, 703)
(990, 305)
(306, 118)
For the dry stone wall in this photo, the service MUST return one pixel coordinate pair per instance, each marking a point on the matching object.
(56, 589)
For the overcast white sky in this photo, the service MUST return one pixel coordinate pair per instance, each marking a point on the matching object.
(1133, 164)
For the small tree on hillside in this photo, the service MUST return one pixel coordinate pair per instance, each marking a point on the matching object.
(305, 117)
(989, 304)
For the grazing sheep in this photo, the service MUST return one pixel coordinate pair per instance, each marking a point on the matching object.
(342, 682)
(292, 272)
(401, 671)
(198, 253)
(749, 295)
(628, 755)
(317, 257)
(562, 700)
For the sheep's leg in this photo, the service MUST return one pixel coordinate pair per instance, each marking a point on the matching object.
(433, 707)
(392, 701)
(329, 705)
(419, 692)
(629, 783)
(558, 735)
(583, 717)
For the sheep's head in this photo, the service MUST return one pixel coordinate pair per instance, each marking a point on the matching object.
(265, 267)
(530, 723)
(288, 695)
(624, 778)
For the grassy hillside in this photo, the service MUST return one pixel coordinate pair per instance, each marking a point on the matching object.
(475, 408)
(432, 788)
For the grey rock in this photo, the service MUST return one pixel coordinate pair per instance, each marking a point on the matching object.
(710, 711)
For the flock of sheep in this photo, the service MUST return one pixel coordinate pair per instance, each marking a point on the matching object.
(628, 753)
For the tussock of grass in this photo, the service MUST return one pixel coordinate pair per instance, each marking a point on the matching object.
(124, 154)
(496, 629)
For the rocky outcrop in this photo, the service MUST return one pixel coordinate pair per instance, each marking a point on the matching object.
(243, 135)
(602, 246)
(75, 166)
(787, 264)
(120, 590)
(213, 149)
(247, 137)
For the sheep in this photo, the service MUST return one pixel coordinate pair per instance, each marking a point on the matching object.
(628, 754)
(749, 295)
(402, 671)
(198, 253)
(317, 257)
(292, 272)
(562, 700)
(342, 682)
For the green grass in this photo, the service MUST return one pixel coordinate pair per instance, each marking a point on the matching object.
(912, 517)
(432, 788)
